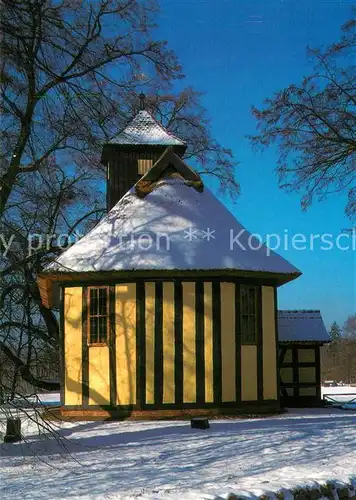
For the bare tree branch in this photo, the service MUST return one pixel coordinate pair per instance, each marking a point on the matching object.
(313, 125)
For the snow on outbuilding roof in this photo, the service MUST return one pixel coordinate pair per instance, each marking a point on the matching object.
(174, 227)
(144, 129)
(301, 326)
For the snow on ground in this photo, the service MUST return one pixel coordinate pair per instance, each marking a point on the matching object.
(165, 219)
(48, 399)
(339, 393)
(169, 460)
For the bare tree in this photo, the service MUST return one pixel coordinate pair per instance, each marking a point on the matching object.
(70, 75)
(185, 116)
(66, 71)
(58, 92)
(338, 360)
(349, 329)
(29, 331)
(313, 124)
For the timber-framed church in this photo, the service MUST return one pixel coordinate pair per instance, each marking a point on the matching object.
(162, 313)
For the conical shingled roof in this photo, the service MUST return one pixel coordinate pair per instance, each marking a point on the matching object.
(145, 130)
(176, 213)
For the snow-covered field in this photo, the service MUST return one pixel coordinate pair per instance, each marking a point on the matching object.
(169, 460)
(339, 393)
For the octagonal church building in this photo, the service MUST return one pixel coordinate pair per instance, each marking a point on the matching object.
(168, 306)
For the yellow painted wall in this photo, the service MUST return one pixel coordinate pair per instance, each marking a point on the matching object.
(73, 346)
(125, 325)
(125, 331)
(306, 355)
(150, 342)
(168, 343)
(208, 342)
(189, 361)
(99, 375)
(269, 344)
(248, 373)
(228, 361)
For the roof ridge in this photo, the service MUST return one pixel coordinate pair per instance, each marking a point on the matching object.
(167, 160)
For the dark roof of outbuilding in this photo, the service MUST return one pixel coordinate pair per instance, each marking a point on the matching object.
(301, 326)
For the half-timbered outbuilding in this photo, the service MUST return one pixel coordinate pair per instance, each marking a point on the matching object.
(169, 305)
(301, 335)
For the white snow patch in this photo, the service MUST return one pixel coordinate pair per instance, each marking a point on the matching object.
(169, 214)
(169, 460)
(145, 129)
(340, 393)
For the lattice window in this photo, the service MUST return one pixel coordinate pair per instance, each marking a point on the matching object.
(98, 311)
(248, 314)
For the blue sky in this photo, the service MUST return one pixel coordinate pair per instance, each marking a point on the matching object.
(239, 52)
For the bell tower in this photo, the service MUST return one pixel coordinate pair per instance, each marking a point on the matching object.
(130, 154)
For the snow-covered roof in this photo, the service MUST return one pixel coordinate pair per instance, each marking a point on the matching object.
(301, 326)
(174, 227)
(145, 130)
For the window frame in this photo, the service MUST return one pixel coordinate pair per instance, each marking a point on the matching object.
(255, 315)
(98, 344)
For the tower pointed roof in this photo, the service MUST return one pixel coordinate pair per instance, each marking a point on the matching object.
(170, 222)
(145, 130)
